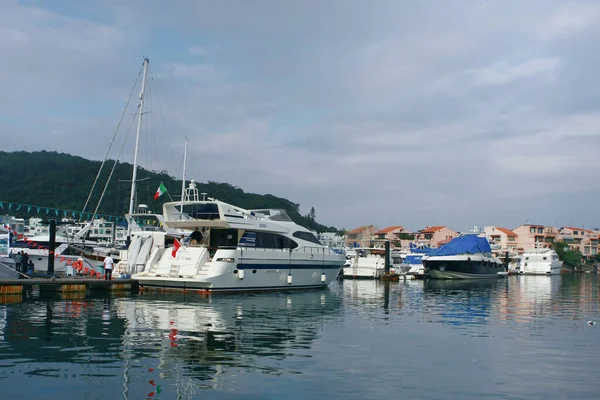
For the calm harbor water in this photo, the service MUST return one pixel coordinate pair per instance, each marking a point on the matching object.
(515, 338)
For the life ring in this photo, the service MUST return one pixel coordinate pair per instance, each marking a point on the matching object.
(78, 265)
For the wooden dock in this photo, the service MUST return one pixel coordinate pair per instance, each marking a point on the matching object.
(67, 285)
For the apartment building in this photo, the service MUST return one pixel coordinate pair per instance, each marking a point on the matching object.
(530, 236)
(360, 236)
(397, 235)
(579, 239)
(501, 239)
(435, 236)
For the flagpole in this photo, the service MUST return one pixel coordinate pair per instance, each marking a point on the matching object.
(183, 176)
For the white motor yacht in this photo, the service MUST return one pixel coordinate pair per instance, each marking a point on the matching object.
(539, 262)
(241, 250)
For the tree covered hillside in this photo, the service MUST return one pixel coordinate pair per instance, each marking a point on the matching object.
(58, 180)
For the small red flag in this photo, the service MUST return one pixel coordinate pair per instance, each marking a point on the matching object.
(176, 247)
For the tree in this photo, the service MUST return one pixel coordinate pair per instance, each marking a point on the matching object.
(62, 181)
(570, 258)
(312, 214)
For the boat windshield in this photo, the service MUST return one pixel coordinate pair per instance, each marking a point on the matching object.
(274, 214)
(281, 216)
(206, 211)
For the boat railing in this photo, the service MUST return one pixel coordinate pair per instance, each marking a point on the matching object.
(303, 250)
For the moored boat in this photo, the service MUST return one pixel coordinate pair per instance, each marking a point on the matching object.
(467, 256)
(369, 263)
(241, 250)
(539, 262)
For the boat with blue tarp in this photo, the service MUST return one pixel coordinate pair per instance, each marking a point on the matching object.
(467, 256)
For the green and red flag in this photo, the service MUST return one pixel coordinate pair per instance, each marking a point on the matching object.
(160, 191)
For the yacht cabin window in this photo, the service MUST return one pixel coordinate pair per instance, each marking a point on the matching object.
(222, 237)
(266, 240)
(207, 211)
(309, 237)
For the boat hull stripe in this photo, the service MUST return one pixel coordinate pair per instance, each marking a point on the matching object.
(175, 285)
(287, 266)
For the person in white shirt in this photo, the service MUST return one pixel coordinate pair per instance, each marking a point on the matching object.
(108, 266)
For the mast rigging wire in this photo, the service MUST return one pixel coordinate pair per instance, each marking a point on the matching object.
(111, 143)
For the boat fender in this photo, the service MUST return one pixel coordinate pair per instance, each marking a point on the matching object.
(78, 265)
(323, 277)
(241, 274)
(289, 279)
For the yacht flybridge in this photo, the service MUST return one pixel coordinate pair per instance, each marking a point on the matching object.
(240, 250)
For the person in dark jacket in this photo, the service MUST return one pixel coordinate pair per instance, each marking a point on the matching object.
(195, 237)
(24, 262)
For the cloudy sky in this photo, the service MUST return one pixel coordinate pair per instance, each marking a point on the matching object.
(379, 112)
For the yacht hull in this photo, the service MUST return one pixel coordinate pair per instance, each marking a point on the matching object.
(254, 278)
(543, 271)
(462, 269)
(362, 272)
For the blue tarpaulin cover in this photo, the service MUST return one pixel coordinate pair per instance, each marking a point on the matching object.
(413, 259)
(420, 250)
(468, 244)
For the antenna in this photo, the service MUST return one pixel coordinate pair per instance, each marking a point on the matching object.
(183, 176)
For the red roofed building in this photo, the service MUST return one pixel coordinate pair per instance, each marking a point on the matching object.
(583, 240)
(390, 233)
(396, 234)
(360, 236)
(501, 239)
(434, 235)
(530, 236)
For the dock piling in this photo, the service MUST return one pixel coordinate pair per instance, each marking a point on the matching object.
(51, 245)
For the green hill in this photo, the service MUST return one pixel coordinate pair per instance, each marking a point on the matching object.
(63, 181)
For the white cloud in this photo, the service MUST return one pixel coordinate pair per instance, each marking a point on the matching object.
(197, 50)
(420, 111)
(193, 72)
(502, 73)
(572, 18)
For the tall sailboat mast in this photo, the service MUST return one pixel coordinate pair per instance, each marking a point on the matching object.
(137, 142)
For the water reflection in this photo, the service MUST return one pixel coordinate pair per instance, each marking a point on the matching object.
(357, 339)
(462, 302)
(168, 338)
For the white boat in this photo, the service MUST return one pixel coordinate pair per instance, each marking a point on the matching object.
(413, 265)
(539, 262)
(7, 264)
(63, 259)
(369, 263)
(241, 250)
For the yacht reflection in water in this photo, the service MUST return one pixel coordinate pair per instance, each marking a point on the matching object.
(208, 335)
(462, 302)
(178, 336)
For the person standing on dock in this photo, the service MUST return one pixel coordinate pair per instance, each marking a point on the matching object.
(24, 262)
(108, 266)
(19, 260)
